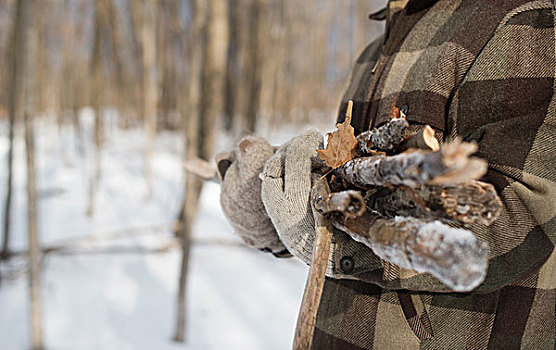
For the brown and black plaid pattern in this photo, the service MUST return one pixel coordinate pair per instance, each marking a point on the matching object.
(481, 70)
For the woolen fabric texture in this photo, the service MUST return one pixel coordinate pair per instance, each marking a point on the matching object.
(286, 189)
(240, 196)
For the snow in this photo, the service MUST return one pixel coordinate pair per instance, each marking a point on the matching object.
(124, 298)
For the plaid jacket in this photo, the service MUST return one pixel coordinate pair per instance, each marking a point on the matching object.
(482, 70)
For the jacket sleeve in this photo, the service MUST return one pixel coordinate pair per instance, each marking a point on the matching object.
(507, 104)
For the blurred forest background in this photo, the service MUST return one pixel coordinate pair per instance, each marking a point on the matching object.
(101, 102)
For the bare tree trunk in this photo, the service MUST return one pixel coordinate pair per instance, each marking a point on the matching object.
(254, 65)
(15, 89)
(79, 90)
(232, 67)
(30, 58)
(97, 102)
(116, 38)
(192, 117)
(150, 85)
(169, 28)
(48, 85)
(287, 78)
(34, 244)
(206, 102)
(214, 71)
(276, 63)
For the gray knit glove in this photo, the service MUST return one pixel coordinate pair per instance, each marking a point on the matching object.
(241, 194)
(286, 189)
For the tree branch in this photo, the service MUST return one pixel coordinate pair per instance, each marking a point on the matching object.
(471, 202)
(454, 256)
(413, 168)
(386, 138)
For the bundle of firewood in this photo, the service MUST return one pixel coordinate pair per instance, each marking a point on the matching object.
(409, 199)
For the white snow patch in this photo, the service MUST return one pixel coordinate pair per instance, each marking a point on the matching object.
(238, 298)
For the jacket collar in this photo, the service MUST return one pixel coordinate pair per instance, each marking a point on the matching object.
(411, 6)
(414, 6)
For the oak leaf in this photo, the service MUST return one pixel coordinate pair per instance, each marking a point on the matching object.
(340, 147)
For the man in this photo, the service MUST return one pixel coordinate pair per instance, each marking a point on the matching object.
(480, 70)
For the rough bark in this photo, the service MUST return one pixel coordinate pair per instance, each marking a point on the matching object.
(315, 280)
(471, 202)
(449, 165)
(387, 138)
(454, 256)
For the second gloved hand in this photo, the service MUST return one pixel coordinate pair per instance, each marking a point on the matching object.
(286, 189)
(241, 194)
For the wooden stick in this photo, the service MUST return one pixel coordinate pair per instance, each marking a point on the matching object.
(315, 280)
(314, 285)
(349, 111)
(348, 202)
(471, 202)
(454, 256)
(423, 139)
(386, 138)
(449, 165)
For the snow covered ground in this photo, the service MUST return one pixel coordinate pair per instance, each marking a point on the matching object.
(117, 289)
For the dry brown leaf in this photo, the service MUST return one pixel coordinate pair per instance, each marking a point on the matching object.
(341, 143)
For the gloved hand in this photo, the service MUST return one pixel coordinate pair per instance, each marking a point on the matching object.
(241, 194)
(286, 189)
